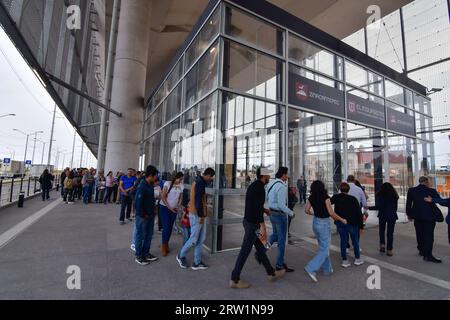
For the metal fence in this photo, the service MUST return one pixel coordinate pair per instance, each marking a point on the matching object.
(10, 190)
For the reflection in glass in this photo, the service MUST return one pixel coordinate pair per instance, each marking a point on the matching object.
(254, 30)
(365, 157)
(207, 34)
(252, 72)
(203, 76)
(315, 148)
(198, 138)
(401, 173)
(314, 57)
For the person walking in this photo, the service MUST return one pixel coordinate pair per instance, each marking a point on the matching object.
(445, 203)
(277, 195)
(145, 217)
(320, 202)
(253, 224)
(347, 207)
(46, 181)
(302, 188)
(197, 216)
(126, 200)
(421, 212)
(68, 188)
(109, 184)
(386, 202)
(170, 205)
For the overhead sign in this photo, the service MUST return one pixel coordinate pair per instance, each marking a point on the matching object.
(315, 96)
(401, 122)
(365, 111)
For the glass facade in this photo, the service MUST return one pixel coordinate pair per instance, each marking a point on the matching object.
(247, 93)
(416, 40)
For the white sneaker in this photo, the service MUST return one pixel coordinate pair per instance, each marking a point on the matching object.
(359, 262)
(133, 248)
(345, 264)
(312, 276)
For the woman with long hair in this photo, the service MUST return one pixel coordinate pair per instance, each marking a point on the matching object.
(386, 202)
(170, 205)
(320, 202)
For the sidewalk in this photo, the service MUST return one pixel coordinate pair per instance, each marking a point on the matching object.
(33, 266)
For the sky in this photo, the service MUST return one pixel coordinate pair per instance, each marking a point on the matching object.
(21, 93)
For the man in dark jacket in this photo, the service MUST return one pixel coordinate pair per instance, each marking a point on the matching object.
(145, 217)
(421, 212)
(445, 203)
(254, 221)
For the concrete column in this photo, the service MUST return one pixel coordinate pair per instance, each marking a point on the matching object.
(130, 68)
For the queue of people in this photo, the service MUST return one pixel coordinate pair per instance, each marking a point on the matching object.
(145, 197)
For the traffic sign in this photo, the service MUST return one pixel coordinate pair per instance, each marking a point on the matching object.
(7, 161)
(28, 162)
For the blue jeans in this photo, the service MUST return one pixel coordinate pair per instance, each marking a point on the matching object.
(144, 233)
(197, 238)
(134, 235)
(87, 193)
(344, 230)
(322, 230)
(186, 234)
(168, 219)
(279, 226)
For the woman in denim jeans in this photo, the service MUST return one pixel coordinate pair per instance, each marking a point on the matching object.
(320, 202)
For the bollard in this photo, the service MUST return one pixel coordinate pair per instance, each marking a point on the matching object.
(21, 200)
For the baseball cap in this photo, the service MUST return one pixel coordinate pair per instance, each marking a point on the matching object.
(266, 172)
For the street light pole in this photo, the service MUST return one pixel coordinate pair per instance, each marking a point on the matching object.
(82, 150)
(43, 152)
(51, 137)
(73, 148)
(34, 147)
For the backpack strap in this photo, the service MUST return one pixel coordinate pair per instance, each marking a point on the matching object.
(268, 192)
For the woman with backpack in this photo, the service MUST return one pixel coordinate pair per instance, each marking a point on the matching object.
(169, 206)
(69, 188)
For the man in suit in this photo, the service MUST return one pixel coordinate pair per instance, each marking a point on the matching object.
(421, 212)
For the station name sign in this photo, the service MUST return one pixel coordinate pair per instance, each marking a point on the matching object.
(316, 96)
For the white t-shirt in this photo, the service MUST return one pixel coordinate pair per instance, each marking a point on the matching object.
(174, 195)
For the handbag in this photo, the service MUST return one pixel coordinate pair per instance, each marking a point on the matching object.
(437, 214)
(185, 222)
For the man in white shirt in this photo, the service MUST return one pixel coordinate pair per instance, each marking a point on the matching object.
(277, 192)
(357, 192)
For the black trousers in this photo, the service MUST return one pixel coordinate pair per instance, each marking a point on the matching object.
(250, 240)
(78, 192)
(125, 207)
(390, 233)
(425, 236)
(68, 195)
